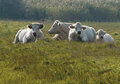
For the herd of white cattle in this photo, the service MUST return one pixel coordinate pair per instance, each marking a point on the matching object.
(71, 31)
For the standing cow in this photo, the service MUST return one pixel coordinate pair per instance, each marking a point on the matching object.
(79, 32)
(30, 34)
(60, 29)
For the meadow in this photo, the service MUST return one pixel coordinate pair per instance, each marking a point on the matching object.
(58, 62)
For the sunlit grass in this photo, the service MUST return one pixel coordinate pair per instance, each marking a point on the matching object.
(58, 62)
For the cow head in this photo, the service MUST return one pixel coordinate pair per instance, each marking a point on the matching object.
(100, 33)
(35, 27)
(77, 27)
(55, 28)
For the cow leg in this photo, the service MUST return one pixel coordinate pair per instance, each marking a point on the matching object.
(85, 39)
(25, 40)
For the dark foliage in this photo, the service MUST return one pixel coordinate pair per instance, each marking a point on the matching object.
(65, 10)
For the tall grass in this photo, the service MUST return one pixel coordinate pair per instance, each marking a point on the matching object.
(58, 62)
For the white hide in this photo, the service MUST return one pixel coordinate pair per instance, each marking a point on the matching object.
(60, 29)
(83, 33)
(102, 36)
(30, 34)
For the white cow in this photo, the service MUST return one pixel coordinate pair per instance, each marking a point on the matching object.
(60, 29)
(102, 36)
(30, 34)
(79, 32)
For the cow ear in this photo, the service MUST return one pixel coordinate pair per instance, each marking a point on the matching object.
(41, 26)
(59, 24)
(29, 26)
(57, 21)
(71, 27)
(83, 28)
(105, 32)
(96, 33)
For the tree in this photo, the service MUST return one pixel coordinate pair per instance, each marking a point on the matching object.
(11, 9)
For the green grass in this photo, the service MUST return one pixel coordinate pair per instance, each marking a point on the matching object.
(58, 62)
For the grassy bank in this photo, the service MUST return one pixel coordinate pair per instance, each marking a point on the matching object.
(58, 62)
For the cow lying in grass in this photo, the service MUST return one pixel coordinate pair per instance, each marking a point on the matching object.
(30, 34)
(60, 30)
(79, 32)
(102, 36)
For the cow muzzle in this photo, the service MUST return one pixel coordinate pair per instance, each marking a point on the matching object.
(34, 34)
(49, 32)
(101, 37)
(79, 32)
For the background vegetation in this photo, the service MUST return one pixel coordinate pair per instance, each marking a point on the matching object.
(65, 10)
(58, 62)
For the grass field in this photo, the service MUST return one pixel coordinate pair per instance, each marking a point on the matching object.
(58, 62)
